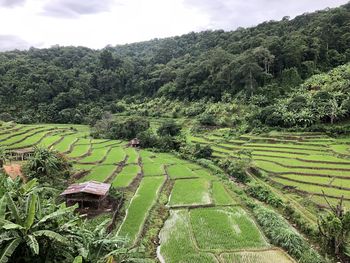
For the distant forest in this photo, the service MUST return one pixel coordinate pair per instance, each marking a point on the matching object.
(272, 64)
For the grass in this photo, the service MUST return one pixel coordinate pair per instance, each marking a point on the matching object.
(96, 155)
(50, 140)
(319, 180)
(313, 189)
(64, 145)
(126, 176)
(79, 150)
(190, 192)
(299, 163)
(31, 140)
(204, 173)
(99, 173)
(341, 148)
(225, 229)
(180, 171)
(256, 257)
(150, 169)
(274, 168)
(80, 166)
(24, 130)
(133, 156)
(176, 242)
(30, 137)
(139, 207)
(325, 158)
(116, 155)
(221, 195)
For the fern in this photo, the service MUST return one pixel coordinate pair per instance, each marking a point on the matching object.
(9, 249)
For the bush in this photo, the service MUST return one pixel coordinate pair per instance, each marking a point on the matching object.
(197, 151)
(263, 194)
(236, 168)
(48, 166)
(169, 128)
(281, 234)
(206, 119)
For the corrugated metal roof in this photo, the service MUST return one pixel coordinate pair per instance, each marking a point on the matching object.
(91, 187)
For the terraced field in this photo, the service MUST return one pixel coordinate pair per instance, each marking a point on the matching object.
(206, 222)
(308, 163)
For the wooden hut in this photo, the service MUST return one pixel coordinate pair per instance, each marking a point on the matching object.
(134, 142)
(87, 195)
(21, 154)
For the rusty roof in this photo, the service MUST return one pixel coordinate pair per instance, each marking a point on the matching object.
(91, 187)
(24, 150)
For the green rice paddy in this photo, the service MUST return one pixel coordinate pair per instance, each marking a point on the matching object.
(190, 192)
(139, 207)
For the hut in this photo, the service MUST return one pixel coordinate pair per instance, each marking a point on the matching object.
(87, 195)
(134, 142)
(21, 154)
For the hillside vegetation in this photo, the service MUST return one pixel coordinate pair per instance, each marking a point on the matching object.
(262, 65)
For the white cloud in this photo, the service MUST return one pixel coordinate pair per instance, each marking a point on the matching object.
(97, 23)
(9, 42)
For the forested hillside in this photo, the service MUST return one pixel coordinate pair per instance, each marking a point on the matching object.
(264, 65)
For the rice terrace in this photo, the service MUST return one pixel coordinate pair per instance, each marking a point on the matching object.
(221, 136)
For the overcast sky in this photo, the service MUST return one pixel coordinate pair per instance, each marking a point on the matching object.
(97, 23)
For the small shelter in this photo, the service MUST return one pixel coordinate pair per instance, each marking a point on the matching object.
(21, 154)
(87, 195)
(135, 142)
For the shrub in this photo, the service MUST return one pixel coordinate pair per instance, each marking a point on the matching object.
(169, 128)
(236, 168)
(281, 234)
(263, 194)
(196, 151)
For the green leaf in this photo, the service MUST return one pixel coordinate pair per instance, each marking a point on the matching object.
(33, 244)
(52, 235)
(12, 206)
(31, 211)
(3, 206)
(58, 213)
(27, 187)
(12, 226)
(78, 259)
(9, 249)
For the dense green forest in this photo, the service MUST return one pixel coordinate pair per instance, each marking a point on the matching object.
(278, 68)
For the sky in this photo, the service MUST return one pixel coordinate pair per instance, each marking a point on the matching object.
(98, 23)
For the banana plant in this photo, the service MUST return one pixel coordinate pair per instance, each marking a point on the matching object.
(24, 227)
